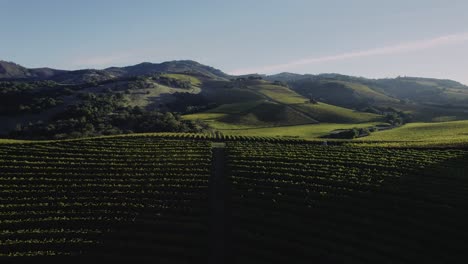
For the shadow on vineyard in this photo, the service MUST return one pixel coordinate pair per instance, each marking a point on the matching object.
(343, 205)
(156, 199)
(164, 236)
(220, 218)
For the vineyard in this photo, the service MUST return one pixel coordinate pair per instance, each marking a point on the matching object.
(138, 198)
(142, 198)
(306, 203)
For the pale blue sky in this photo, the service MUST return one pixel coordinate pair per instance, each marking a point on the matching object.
(370, 38)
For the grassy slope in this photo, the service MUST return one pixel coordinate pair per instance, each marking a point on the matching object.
(321, 112)
(331, 113)
(183, 77)
(247, 107)
(222, 95)
(311, 131)
(251, 114)
(426, 90)
(366, 92)
(156, 94)
(341, 93)
(445, 131)
(279, 93)
(448, 134)
(263, 109)
(236, 108)
(268, 113)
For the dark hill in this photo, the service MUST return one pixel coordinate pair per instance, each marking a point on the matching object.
(182, 66)
(10, 70)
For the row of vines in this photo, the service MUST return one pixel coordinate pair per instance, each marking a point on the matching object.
(214, 136)
(145, 198)
(141, 198)
(294, 203)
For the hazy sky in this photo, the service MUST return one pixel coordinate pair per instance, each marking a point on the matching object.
(370, 38)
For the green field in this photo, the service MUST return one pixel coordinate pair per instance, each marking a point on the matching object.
(279, 93)
(313, 131)
(445, 131)
(306, 131)
(436, 133)
(330, 113)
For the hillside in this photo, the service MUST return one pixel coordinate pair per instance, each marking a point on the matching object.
(187, 96)
(10, 70)
(359, 90)
(425, 99)
(41, 101)
(250, 103)
(183, 66)
(342, 93)
(455, 131)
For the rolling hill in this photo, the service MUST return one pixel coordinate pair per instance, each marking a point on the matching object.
(259, 103)
(352, 91)
(116, 99)
(425, 99)
(183, 66)
(10, 70)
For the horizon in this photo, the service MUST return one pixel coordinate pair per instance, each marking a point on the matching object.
(284, 72)
(366, 39)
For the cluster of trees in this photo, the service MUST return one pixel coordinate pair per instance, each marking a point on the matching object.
(139, 83)
(38, 105)
(247, 78)
(280, 83)
(17, 86)
(30, 97)
(105, 115)
(352, 133)
(187, 103)
(392, 116)
(398, 118)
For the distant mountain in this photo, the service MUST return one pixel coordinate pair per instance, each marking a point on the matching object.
(182, 66)
(10, 70)
(287, 77)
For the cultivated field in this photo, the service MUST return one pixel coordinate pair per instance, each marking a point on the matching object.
(134, 198)
(155, 198)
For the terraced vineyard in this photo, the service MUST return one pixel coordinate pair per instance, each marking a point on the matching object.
(141, 198)
(297, 203)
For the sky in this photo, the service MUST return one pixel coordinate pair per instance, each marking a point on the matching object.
(369, 38)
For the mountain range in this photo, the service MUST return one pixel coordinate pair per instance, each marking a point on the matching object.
(222, 101)
(13, 71)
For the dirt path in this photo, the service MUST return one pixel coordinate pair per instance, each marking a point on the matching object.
(220, 233)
